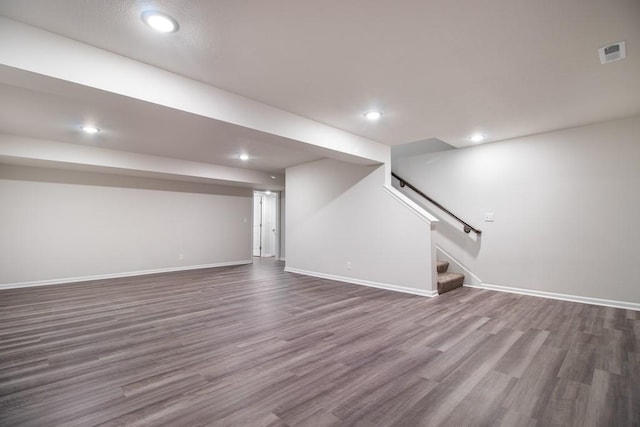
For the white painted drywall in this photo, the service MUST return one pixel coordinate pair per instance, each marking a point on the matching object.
(32, 49)
(338, 213)
(60, 224)
(52, 154)
(566, 207)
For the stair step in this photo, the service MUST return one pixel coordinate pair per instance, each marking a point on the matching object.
(449, 281)
(442, 266)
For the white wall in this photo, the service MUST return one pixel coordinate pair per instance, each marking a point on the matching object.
(62, 224)
(339, 213)
(566, 207)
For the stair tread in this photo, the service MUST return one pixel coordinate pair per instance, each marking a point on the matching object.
(449, 281)
(444, 277)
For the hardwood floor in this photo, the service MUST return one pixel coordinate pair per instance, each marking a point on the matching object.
(255, 346)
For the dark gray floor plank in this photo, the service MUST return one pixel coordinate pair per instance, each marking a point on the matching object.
(255, 346)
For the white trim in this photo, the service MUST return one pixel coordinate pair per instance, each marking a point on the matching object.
(386, 286)
(413, 206)
(457, 267)
(117, 275)
(564, 297)
(281, 259)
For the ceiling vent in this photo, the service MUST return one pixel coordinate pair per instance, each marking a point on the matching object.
(613, 52)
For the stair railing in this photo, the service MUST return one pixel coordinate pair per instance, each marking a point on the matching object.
(467, 227)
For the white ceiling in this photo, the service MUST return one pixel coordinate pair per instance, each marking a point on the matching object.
(136, 126)
(438, 69)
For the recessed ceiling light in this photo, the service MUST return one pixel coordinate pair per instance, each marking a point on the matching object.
(89, 129)
(267, 192)
(160, 22)
(244, 157)
(373, 115)
(477, 137)
(273, 177)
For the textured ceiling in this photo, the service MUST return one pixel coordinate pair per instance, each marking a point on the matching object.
(438, 69)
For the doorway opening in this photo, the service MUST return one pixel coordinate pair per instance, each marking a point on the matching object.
(265, 224)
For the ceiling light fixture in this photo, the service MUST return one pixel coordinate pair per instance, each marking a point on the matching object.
(373, 115)
(160, 22)
(244, 157)
(89, 129)
(477, 137)
(267, 192)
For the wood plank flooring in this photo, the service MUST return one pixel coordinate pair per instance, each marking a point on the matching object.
(255, 346)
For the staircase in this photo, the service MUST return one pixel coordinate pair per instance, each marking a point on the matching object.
(448, 281)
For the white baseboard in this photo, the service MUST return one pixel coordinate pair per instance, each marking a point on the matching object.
(118, 275)
(563, 297)
(362, 282)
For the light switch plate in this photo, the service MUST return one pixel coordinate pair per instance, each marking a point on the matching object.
(488, 217)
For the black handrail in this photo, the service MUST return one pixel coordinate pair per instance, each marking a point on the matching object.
(467, 227)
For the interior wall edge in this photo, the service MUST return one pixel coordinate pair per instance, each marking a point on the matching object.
(64, 176)
(82, 279)
(563, 297)
(361, 282)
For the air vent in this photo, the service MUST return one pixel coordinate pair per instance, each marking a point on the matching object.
(613, 52)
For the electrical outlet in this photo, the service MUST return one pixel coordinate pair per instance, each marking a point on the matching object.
(180, 257)
(348, 265)
(488, 217)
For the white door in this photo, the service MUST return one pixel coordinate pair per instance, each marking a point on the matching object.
(269, 225)
(257, 224)
(265, 224)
